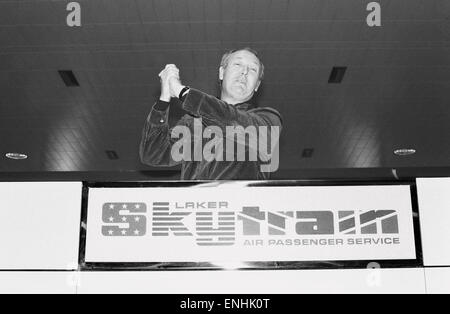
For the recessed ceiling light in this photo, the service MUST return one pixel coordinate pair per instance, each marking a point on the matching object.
(404, 151)
(16, 156)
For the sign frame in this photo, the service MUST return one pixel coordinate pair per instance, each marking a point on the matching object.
(255, 265)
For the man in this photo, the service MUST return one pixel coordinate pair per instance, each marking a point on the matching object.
(240, 74)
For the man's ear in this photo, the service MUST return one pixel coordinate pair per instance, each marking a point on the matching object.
(221, 72)
(257, 86)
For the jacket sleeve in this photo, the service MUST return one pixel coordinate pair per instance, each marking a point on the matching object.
(156, 142)
(222, 115)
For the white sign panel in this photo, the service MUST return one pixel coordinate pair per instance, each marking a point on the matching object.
(230, 224)
(40, 225)
(434, 205)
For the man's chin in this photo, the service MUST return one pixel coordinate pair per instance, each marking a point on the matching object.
(242, 98)
(240, 92)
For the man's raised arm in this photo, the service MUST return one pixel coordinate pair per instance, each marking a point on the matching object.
(203, 105)
(267, 121)
(156, 143)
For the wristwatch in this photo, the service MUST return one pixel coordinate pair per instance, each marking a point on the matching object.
(183, 92)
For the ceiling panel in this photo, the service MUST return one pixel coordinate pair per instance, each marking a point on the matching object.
(395, 92)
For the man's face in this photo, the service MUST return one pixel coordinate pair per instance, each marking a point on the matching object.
(240, 78)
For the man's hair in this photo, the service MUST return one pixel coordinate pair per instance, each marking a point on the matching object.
(227, 55)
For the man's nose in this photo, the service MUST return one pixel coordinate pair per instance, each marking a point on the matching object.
(245, 70)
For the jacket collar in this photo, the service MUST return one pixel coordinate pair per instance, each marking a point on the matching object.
(242, 106)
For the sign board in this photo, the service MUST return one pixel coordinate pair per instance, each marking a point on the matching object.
(257, 224)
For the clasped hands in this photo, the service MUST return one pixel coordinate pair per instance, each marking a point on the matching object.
(170, 82)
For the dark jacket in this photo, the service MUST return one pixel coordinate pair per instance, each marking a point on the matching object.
(156, 143)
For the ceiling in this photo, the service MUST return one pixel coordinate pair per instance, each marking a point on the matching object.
(395, 94)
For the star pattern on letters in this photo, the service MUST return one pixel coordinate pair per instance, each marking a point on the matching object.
(114, 216)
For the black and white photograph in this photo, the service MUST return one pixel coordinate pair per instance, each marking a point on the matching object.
(224, 153)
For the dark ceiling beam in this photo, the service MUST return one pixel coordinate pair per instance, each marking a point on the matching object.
(338, 174)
